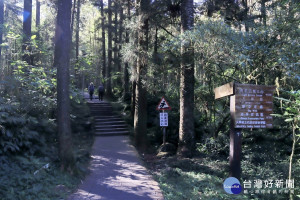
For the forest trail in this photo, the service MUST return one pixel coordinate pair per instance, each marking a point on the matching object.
(116, 171)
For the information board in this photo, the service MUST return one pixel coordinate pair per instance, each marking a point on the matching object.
(253, 106)
(163, 119)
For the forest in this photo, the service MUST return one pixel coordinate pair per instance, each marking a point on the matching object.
(142, 51)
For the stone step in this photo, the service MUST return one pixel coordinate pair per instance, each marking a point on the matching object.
(95, 105)
(110, 129)
(97, 109)
(107, 119)
(109, 123)
(99, 113)
(116, 133)
(106, 123)
(110, 126)
(108, 116)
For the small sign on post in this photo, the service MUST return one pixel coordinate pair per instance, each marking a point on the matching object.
(163, 119)
(163, 116)
(251, 106)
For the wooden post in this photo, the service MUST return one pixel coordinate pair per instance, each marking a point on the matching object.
(235, 143)
(164, 133)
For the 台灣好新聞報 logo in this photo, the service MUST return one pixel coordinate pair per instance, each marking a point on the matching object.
(232, 186)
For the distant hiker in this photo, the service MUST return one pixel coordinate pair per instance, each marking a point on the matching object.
(101, 92)
(91, 90)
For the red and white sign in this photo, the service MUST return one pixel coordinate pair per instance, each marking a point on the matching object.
(163, 105)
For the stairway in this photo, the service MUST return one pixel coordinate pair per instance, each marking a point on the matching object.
(106, 123)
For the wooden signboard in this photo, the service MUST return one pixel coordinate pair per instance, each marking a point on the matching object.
(251, 106)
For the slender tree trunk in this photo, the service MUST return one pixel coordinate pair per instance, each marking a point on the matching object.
(115, 49)
(37, 24)
(77, 30)
(245, 18)
(1, 26)
(27, 15)
(263, 12)
(103, 41)
(120, 43)
(186, 124)
(140, 115)
(292, 155)
(126, 74)
(63, 40)
(109, 59)
(38, 13)
(73, 16)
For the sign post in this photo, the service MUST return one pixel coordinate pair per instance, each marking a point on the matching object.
(163, 116)
(251, 107)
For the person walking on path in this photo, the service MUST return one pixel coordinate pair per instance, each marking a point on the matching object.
(91, 90)
(101, 92)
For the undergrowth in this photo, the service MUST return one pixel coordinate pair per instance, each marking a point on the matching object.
(29, 162)
(202, 177)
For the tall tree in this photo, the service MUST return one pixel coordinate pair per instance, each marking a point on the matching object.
(109, 54)
(125, 72)
(120, 41)
(1, 23)
(77, 30)
(27, 15)
(263, 12)
(186, 123)
(103, 40)
(38, 13)
(245, 14)
(116, 39)
(63, 39)
(73, 16)
(140, 115)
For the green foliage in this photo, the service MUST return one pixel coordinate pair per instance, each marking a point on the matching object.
(23, 177)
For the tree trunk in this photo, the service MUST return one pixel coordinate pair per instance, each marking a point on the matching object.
(245, 15)
(186, 124)
(263, 12)
(1, 26)
(140, 115)
(125, 73)
(109, 59)
(73, 16)
(115, 49)
(103, 41)
(63, 39)
(27, 15)
(120, 44)
(38, 13)
(77, 30)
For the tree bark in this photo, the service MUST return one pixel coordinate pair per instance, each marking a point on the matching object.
(1, 26)
(38, 13)
(245, 15)
(115, 49)
(120, 43)
(186, 124)
(109, 58)
(27, 15)
(77, 30)
(140, 115)
(63, 39)
(125, 73)
(263, 12)
(103, 41)
(73, 16)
